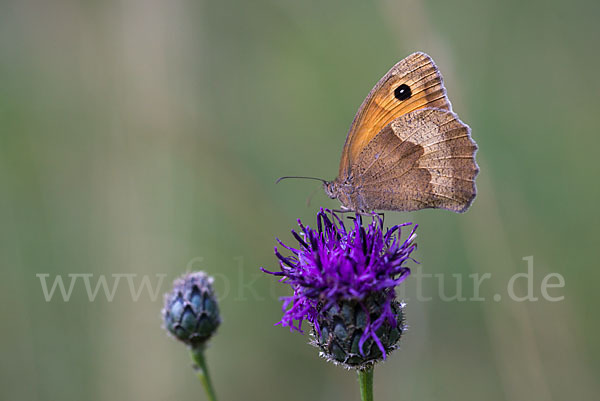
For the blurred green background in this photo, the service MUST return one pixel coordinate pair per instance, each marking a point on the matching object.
(144, 137)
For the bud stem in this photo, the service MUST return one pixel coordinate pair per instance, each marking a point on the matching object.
(365, 382)
(202, 371)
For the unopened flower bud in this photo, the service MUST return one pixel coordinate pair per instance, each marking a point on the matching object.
(191, 312)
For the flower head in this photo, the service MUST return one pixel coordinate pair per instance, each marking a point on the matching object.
(343, 283)
(191, 313)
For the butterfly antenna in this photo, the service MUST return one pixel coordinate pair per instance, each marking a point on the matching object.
(311, 196)
(304, 178)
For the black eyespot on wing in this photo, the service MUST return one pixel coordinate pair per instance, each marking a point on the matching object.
(402, 92)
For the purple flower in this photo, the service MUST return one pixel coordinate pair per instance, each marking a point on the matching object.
(343, 283)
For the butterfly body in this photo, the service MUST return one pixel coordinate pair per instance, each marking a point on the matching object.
(406, 150)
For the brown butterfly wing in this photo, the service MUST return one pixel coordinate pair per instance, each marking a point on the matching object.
(424, 159)
(426, 89)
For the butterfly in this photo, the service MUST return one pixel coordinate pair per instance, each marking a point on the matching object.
(406, 149)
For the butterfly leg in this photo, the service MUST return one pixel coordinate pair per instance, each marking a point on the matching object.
(342, 211)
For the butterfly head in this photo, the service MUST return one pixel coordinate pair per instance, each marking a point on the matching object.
(339, 190)
(343, 192)
(331, 189)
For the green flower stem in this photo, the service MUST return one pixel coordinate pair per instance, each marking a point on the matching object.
(202, 372)
(365, 381)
